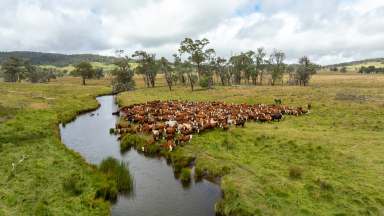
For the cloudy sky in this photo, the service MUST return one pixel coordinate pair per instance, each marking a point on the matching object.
(329, 31)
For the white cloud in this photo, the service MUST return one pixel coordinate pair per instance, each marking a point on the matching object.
(328, 31)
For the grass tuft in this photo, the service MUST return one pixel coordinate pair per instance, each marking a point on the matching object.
(295, 172)
(74, 184)
(117, 172)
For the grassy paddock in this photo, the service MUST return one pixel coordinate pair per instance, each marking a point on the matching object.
(327, 162)
(48, 178)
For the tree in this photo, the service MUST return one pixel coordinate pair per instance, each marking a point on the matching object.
(209, 68)
(241, 63)
(85, 70)
(334, 69)
(276, 62)
(259, 65)
(343, 69)
(305, 70)
(196, 50)
(220, 68)
(32, 73)
(192, 77)
(99, 73)
(249, 67)
(167, 70)
(147, 67)
(123, 76)
(179, 69)
(13, 70)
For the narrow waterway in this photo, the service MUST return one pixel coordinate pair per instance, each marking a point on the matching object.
(156, 191)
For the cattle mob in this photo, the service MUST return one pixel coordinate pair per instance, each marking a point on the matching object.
(176, 121)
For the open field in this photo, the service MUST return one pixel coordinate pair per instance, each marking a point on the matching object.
(69, 68)
(29, 138)
(327, 162)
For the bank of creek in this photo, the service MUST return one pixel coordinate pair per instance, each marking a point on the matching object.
(156, 190)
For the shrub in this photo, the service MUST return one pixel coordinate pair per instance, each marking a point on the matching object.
(204, 82)
(111, 130)
(295, 172)
(74, 184)
(185, 175)
(118, 173)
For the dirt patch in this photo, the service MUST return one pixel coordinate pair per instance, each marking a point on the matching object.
(39, 106)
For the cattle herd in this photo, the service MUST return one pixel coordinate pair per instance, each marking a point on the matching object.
(176, 121)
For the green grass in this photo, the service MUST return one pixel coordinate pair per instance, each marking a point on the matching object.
(51, 179)
(117, 172)
(324, 163)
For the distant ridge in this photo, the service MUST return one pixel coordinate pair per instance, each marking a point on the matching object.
(56, 59)
(351, 63)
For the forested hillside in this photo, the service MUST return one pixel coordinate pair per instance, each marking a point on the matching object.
(39, 58)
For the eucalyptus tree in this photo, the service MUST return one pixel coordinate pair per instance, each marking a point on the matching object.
(197, 51)
(249, 67)
(305, 70)
(276, 62)
(13, 70)
(123, 76)
(147, 67)
(220, 64)
(191, 75)
(259, 65)
(242, 64)
(210, 67)
(167, 71)
(84, 70)
(179, 70)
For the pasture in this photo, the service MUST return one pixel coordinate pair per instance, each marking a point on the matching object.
(327, 162)
(29, 139)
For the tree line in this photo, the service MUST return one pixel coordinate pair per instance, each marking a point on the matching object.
(371, 70)
(16, 70)
(195, 63)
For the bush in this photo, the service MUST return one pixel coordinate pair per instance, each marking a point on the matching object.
(118, 173)
(295, 172)
(74, 184)
(185, 175)
(204, 82)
